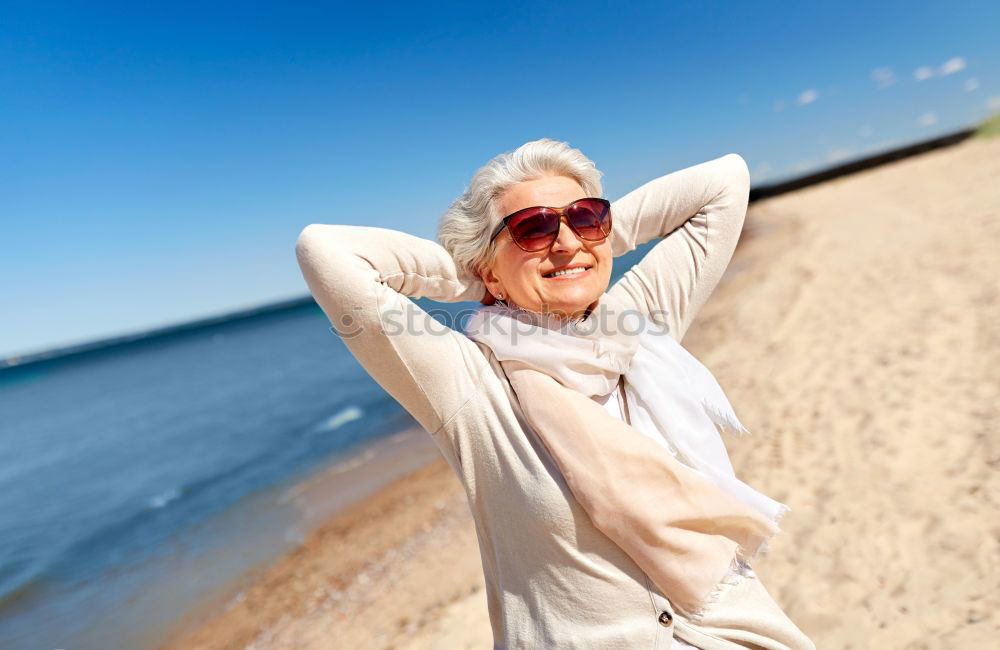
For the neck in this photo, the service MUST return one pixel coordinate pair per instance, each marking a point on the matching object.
(558, 315)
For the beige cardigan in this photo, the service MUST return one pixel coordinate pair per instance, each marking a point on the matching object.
(553, 580)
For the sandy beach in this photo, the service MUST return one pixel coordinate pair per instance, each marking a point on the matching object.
(856, 334)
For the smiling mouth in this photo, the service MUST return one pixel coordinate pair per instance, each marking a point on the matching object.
(567, 273)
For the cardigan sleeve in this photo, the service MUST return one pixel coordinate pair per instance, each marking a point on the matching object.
(363, 278)
(699, 212)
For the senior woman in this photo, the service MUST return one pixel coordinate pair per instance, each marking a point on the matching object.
(585, 436)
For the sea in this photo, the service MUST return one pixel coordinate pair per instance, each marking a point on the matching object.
(141, 477)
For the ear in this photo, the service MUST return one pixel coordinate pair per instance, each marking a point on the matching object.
(493, 287)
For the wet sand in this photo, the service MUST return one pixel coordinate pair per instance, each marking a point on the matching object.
(857, 335)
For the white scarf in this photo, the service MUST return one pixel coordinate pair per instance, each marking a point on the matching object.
(673, 398)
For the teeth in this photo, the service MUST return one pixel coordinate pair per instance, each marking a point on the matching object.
(579, 269)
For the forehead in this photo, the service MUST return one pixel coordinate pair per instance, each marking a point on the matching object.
(550, 191)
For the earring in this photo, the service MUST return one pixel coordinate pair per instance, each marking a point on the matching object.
(499, 296)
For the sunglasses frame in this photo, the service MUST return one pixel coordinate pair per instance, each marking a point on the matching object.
(562, 213)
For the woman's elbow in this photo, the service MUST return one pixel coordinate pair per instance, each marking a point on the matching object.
(313, 245)
(307, 240)
(740, 169)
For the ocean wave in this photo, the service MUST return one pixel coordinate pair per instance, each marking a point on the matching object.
(339, 419)
(165, 498)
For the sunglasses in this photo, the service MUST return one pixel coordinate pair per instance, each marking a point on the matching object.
(535, 229)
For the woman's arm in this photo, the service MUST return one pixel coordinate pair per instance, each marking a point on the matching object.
(699, 211)
(361, 277)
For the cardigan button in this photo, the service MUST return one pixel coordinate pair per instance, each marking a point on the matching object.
(665, 619)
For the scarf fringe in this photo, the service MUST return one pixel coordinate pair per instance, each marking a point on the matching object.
(739, 569)
(725, 417)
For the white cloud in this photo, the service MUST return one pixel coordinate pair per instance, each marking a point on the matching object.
(803, 165)
(807, 97)
(971, 84)
(865, 131)
(952, 65)
(884, 77)
(928, 119)
(993, 103)
(837, 155)
(779, 106)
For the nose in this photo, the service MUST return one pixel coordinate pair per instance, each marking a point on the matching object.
(566, 241)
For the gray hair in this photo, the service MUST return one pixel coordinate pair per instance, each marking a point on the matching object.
(467, 226)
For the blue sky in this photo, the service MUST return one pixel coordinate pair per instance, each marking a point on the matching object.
(157, 162)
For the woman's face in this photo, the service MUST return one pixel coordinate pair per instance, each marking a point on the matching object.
(526, 279)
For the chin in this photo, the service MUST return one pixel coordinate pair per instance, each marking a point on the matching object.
(572, 304)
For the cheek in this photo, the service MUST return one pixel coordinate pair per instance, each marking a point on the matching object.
(604, 258)
(515, 268)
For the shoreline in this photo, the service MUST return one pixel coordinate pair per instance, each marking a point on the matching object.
(334, 493)
(346, 569)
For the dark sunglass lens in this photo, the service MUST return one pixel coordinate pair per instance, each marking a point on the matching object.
(589, 219)
(536, 230)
